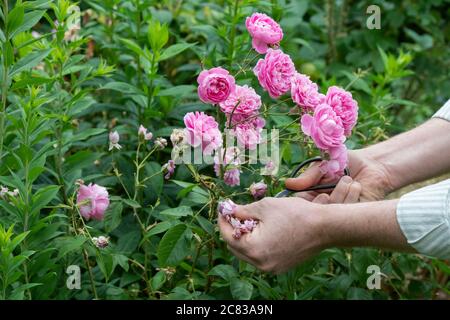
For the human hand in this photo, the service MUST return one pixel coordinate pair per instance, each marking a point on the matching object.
(368, 181)
(288, 233)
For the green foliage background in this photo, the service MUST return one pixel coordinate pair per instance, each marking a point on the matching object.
(136, 62)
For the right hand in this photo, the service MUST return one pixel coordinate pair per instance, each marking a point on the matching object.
(368, 181)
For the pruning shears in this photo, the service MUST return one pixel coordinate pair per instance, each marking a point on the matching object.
(286, 192)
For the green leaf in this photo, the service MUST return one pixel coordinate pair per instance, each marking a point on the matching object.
(43, 197)
(131, 203)
(128, 242)
(30, 19)
(87, 134)
(182, 211)
(29, 61)
(69, 244)
(224, 271)
(160, 227)
(122, 87)
(241, 289)
(133, 46)
(14, 19)
(158, 280)
(113, 216)
(174, 245)
(174, 50)
(205, 224)
(177, 91)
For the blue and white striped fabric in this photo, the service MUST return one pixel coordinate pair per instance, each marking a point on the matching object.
(424, 214)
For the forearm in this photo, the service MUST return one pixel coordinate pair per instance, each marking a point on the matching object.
(416, 155)
(372, 224)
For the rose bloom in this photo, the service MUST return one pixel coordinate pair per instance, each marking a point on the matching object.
(258, 189)
(215, 85)
(244, 101)
(264, 31)
(92, 201)
(274, 72)
(231, 177)
(247, 131)
(324, 127)
(344, 106)
(304, 92)
(334, 167)
(202, 131)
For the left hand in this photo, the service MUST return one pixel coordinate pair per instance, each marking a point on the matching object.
(288, 233)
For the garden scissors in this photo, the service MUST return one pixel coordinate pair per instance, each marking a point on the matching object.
(286, 192)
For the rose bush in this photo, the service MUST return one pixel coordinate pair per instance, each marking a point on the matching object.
(101, 106)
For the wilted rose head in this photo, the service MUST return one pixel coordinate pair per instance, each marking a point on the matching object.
(258, 189)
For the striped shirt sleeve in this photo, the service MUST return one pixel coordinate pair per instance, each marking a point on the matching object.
(424, 214)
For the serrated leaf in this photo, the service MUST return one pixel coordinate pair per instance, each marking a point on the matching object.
(241, 289)
(174, 245)
(182, 211)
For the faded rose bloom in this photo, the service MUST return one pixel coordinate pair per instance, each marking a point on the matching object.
(160, 143)
(248, 225)
(3, 191)
(92, 200)
(305, 93)
(215, 85)
(325, 127)
(170, 167)
(202, 131)
(342, 103)
(142, 132)
(178, 137)
(100, 242)
(114, 141)
(264, 31)
(258, 189)
(274, 72)
(231, 177)
(334, 167)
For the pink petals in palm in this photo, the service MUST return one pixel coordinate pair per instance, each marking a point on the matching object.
(227, 209)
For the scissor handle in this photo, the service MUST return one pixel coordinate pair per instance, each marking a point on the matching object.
(294, 173)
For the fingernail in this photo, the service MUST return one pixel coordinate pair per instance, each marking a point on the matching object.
(347, 179)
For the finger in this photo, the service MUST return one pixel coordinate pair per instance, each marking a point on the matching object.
(353, 193)
(322, 198)
(249, 211)
(340, 192)
(307, 179)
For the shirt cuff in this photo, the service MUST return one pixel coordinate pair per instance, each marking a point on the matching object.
(424, 218)
(444, 112)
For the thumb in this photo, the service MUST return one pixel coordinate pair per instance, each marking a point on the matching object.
(249, 211)
(307, 179)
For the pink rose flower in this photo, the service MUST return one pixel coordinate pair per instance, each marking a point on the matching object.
(274, 72)
(305, 93)
(231, 177)
(325, 127)
(258, 189)
(202, 131)
(215, 85)
(334, 167)
(247, 131)
(344, 106)
(92, 200)
(264, 31)
(244, 101)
